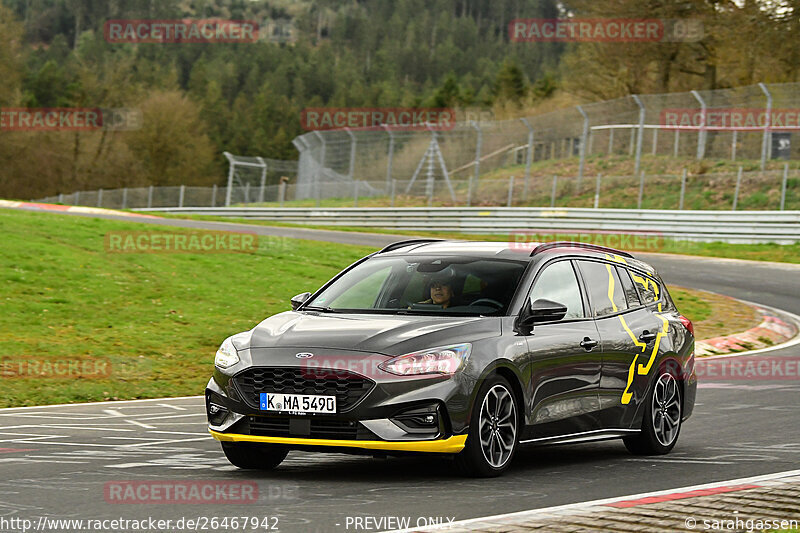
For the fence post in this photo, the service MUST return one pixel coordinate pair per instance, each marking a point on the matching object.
(231, 171)
(553, 194)
(510, 191)
(736, 191)
(391, 156)
(61, 197)
(677, 143)
(282, 192)
(767, 123)
(246, 193)
(214, 195)
(150, 197)
(655, 141)
(180, 196)
(77, 197)
(529, 158)
(124, 197)
(683, 189)
(584, 140)
(318, 192)
(478, 146)
(263, 180)
(701, 135)
(641, 190)
(733, 145)
(352, 153)
(640, 136)
(610, 141)
(597, 192)
(393, 187)
(100, 198)
(632, 144)
(355, 193)
(783, 185)
(469, 192)
(322, 154)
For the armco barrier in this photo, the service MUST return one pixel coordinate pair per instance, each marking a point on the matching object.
(726, 226)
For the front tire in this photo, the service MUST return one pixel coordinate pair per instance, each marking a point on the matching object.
(250, 456)
(662, 419)
(493, 431)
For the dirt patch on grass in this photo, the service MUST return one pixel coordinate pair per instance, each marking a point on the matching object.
(714, 315)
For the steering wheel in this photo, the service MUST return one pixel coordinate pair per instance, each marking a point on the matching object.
(487, 301)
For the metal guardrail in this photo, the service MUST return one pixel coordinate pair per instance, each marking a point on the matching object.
(738, 227)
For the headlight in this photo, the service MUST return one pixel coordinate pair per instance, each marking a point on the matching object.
(444, 360)
(226, 355)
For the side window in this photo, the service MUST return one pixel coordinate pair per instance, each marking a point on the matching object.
(628, 287)
(558, 284)
(649, 290)
(606, 293)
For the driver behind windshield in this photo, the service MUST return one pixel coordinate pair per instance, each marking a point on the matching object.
(440, 290)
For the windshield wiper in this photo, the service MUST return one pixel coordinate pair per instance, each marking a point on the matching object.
(317, 308)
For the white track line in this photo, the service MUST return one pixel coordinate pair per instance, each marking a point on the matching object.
(524, 515)
(95, 404)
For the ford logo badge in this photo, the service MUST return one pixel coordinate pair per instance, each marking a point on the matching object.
(304, 355)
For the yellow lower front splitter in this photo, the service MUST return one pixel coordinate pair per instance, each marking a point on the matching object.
(450, 445)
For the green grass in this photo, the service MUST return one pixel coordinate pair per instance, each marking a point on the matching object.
(690, 304)
(157, 318)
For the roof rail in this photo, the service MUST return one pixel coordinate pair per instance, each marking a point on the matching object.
(575, 244)
(401, 244)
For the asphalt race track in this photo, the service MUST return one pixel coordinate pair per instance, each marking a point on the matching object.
(57, 461)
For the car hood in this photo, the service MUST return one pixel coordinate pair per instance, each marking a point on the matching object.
(381, 334)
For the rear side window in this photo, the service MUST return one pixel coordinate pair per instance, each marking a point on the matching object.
(606, 292)
(628, 287)
(558, 284)
(649, 289)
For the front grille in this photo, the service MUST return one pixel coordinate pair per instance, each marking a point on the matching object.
(319, 428)
(348, 387)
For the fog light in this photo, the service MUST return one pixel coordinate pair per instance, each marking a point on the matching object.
(216, 414)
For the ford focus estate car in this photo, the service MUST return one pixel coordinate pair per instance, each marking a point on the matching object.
(462, 349)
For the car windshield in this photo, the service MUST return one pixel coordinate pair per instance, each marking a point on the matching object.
(424, 285)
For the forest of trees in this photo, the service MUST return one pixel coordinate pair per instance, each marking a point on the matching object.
(198, 100)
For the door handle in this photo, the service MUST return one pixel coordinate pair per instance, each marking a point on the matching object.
(646, 336)
(587, 344)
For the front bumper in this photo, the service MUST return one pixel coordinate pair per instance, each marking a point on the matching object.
(388, 414)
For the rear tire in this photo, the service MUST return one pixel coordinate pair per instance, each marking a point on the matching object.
(493, 431)
(661, 423)
(249, 456)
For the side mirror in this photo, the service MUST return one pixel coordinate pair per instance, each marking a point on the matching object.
(542, 311)
(299, 300)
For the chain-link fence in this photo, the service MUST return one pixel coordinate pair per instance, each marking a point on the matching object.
(754, 122)
(758, 190)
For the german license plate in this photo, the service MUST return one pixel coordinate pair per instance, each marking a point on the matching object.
(297, 403)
